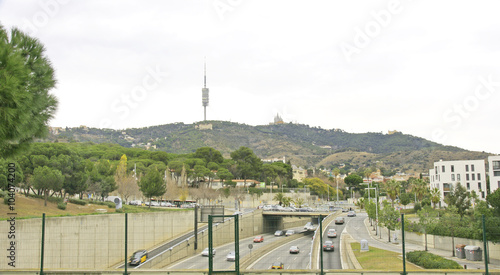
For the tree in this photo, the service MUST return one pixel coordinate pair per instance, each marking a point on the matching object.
(224, 175)
(392, 188)
(26, 77)
(405, 199)
(459, 198)
(126, 182)
(152, 184)
(46, 179)
(389, 218)
(247, 163)
(209, 155)
(493, 199)
(427, 217)
(279, 197)
(419, 187)
(435, 196)
(299, 202)
(353, 181)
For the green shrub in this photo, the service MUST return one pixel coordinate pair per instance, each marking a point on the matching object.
(119, 210)
(417, 207)
(77, 201)
(61, 206)
(430, 261)
(6, 200)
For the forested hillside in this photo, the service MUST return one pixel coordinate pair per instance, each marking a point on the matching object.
(303, 145)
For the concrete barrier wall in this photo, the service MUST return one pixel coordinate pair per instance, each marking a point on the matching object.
(94, 242)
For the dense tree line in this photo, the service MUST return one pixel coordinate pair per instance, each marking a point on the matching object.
(67, 169)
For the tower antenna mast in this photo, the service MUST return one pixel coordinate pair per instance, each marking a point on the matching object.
(204, 92)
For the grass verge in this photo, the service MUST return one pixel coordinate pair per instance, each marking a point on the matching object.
(379, 259)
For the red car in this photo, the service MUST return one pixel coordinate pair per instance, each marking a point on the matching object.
(258, 239)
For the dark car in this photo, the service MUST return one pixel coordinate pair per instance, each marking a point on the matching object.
(328, 246)
(138, 257)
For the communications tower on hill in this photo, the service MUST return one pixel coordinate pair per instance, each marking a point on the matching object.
(204, 93)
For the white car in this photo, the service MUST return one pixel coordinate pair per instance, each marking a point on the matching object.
(205, 252)
(231, 256)
(289, 232)
(332, 233)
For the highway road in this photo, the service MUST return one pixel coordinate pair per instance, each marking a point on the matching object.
(282, 254)
(219, 261)
(331, 259)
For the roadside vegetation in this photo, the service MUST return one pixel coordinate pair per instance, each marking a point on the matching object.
(430, 261)
(32, 207)
(379, 259)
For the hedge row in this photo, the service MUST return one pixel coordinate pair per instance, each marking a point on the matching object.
(430, 261)
(77, 201)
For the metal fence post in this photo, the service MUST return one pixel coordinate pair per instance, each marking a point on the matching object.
(126, 234)
(403, 242)
(485, 243)
(321, 242)
(210, 245)
(43, 244)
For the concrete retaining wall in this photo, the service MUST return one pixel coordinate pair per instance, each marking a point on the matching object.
(95, 242)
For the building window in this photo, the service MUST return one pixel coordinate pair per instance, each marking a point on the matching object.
(479, 185)
(496, 173)
(496, 165)
(466, 176)
(436, 170)
(453, 177)
(452, 168)
(468, 186)
(458, 177)
(472, 167)
(482, 195)
(442, 168)
(473, 176)
(478, 176)
(467, 168)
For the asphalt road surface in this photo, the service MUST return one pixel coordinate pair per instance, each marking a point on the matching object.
(331, 259)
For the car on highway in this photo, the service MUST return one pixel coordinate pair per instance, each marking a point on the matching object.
(258, 239)
(139, 257)
(294, 249)
(309, 226)
(332, 233)
(351, 214)
(289, 232)
(279, 233)
(231, 256)
(277, 265)
(205, 252)
(328, 246)
(339, 220)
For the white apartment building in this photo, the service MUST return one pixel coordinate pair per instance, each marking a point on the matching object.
(494, 172)
(470, 174)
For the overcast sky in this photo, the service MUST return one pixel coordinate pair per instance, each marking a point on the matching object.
(426, 68)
